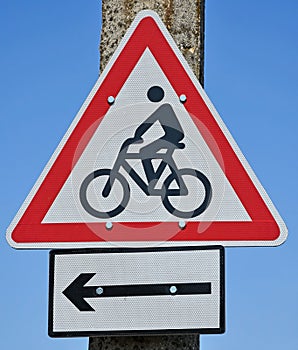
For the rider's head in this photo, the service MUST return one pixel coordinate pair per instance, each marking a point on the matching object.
(155, 94)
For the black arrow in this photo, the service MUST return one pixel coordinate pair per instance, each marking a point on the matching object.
(76, 292)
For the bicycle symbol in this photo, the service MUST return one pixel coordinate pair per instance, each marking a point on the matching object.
(161, 149)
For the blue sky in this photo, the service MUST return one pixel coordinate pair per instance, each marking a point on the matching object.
(49, 63)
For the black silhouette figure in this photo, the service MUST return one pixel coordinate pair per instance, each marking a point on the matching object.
(172, 135)
(162, 149)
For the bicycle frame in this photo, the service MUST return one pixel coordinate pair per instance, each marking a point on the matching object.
(148, 188)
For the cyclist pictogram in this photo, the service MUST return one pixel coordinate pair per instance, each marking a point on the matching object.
(162, 149)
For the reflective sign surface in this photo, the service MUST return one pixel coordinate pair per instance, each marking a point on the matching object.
(136, 291)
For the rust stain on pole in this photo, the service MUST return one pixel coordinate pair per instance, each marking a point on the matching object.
(184, 20)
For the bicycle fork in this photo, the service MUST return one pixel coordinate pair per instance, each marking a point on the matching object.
(110, 182)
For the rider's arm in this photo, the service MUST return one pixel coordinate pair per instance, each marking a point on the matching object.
(167, 119)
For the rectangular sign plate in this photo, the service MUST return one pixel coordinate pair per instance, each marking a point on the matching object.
(132, 291)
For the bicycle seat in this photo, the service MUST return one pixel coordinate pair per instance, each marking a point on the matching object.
(180, 145)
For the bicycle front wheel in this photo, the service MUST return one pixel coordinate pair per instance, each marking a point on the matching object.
(195, 202)
(92, 199)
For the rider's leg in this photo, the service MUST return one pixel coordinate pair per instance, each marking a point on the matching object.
(149, 153)
(150, 173)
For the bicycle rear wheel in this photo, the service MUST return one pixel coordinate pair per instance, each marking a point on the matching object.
(204, 200)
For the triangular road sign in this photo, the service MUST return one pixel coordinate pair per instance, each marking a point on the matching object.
(147, 161)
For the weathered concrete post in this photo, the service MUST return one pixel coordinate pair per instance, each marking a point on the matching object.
(185, 21)
(183, 18)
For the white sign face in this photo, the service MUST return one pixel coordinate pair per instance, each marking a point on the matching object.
(106, 292)
(144, 133)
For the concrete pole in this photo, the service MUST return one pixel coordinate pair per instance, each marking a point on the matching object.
(183, 18)
(185, 21)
